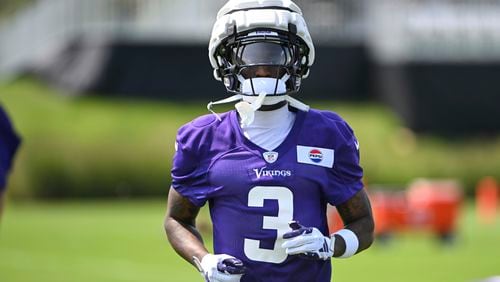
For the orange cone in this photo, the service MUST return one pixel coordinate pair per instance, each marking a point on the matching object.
(486, 200)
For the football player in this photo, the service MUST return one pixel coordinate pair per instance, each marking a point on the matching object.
(269, 168)
(9, 142)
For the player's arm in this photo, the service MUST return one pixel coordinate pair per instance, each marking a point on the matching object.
(180, 226)
(356, 235)
(356, 214)
(187, 242)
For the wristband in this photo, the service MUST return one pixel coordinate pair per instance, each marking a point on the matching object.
(351, 242)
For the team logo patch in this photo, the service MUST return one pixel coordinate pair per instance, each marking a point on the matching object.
(315, 156)
(270, 157)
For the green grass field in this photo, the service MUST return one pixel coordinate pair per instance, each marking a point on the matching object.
(124, 241)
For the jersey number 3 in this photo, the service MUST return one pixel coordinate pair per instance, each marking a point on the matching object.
(256, 198)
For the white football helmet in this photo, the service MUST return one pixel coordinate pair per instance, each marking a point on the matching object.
(261, 46)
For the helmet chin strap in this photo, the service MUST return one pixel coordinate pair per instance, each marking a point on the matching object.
(237, 97)
(249, 104)
(247, 110)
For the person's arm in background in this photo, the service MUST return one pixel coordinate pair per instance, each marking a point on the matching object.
(9, 142)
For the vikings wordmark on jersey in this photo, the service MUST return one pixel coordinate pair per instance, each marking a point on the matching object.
(253, 194)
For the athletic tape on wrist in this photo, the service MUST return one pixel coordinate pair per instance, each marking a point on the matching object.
(351, 242)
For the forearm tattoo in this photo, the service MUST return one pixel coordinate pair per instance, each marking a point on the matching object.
(357, 216)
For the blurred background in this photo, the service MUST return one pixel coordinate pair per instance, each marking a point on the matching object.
(98, 88)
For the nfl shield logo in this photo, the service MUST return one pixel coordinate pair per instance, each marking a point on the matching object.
(270, 157)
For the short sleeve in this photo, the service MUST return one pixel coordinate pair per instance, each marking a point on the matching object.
(190, 165)
(345, 179)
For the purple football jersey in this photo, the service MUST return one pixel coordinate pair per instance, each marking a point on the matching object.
(253, 194)
(8, 145)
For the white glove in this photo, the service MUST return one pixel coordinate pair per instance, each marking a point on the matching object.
(215, 271)
(307, 242)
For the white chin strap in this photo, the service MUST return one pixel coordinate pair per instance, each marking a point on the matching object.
(247, 109)
(249, 104)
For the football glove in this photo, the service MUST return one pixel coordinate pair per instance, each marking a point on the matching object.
(307, 242)
(222, 268)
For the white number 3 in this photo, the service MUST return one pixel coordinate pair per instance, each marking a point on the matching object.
(256, 198)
